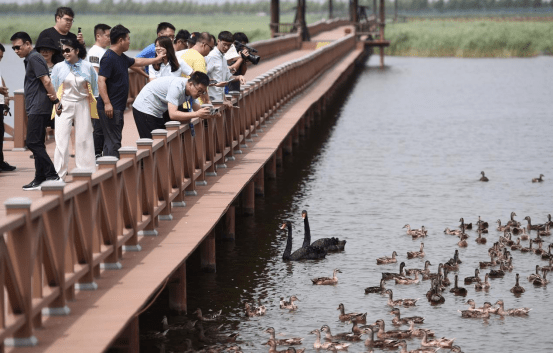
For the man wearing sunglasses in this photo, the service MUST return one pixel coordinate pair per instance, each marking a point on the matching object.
(39, 97)
(61, 31)
(194, 56)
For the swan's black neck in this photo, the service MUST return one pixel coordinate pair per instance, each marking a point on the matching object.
(307, 234)
(288, 247)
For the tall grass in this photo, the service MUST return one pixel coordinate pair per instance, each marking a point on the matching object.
(143, 27)
(476, 38)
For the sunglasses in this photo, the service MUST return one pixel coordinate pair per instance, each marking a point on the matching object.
(67, 50)
(16, 47)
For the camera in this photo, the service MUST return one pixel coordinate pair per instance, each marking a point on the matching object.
(254, 59)
(6, 110)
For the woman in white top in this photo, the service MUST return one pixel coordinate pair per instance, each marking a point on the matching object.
(171, 66)
(75, 82)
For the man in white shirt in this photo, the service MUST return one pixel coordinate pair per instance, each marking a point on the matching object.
(217, 68)
(4, 166)
(94, 55)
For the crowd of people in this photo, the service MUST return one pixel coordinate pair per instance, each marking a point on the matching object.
(82, 94)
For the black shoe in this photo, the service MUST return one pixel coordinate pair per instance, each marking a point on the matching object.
(33, 185)
(5, 167)
(53, 178)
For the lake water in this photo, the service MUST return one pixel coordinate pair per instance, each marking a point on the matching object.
(405, 145)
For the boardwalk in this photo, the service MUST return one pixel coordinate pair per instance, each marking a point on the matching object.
(97, 318)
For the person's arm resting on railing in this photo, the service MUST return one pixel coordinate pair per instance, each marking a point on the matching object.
(199, 112)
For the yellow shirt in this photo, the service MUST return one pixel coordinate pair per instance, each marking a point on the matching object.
(195, 60)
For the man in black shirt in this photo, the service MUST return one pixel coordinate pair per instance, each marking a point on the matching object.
(113, 86)
(39, 96)
(64, 20)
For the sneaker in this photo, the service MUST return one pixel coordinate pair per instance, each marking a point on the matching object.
(5, 167)
(33, 185)
(98, 156)
(54, 178)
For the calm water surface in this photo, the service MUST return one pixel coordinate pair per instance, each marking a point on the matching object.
(406, 146)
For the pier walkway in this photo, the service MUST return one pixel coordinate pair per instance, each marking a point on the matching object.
(81, 260)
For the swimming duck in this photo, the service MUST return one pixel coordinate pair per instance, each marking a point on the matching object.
(517, 229)
(436, 297)
(428, 276)
(390, 275)
(491, 263)
(452, 232)
(418, 332)
(481, 224)
(399, 302)
(273, 347)
(540, 251)
(254, 311)
(483, 285)
(334, 348)
(535, 275)
(464, 226)
(403, 348)
(547, 268)
(460, 291)
(496, 273)
(207, 317)
(415, 233)
(537, 239)
(548, 255)
(345, 336)
(307, 253)
(549, 222)
(538, 180)
(545, 232)
(455, 259)
(510, 312)
(379, 289)
(414, 254)
(444, 281)
(517, 289)
(327, 280)
(407, 280)
(517, 245)
(387, 260)
(318, 344)
(472, 279)
(289, 304)
(380, 344)
(500, 227)
(507, 266)
(440, 342)
(529, 248)
(506, 239)
(524, 235)
(531, 227)
(358, 317)
(294, 350)
(475, 313)
(412, 271)
(462, 243)
(480, 239)
(283, 341)
(327, 244)
(483, 177)
(382, 334)
(397, 321)
(512, 222)
(541, 281)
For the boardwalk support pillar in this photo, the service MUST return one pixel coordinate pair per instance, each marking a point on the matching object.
(178, 289)
(271, 168)
(207, 253)
(229, 232)
(128, 340)
(259, 183)
(248, 202)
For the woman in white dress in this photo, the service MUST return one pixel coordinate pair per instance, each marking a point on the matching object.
(171, 65)
(76, 84)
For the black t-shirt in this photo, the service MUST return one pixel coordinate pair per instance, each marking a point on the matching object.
(56, 36)
(36, 98)
(115, 69)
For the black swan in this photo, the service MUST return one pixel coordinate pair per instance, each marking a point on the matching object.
(307, 253)
(329, 244)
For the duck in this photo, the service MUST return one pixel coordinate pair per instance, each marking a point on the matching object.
(397, 321)
(524, 235)
(208, 317)
(517, 289)
(517, 245)
(548, 255)
(507, 266)
(484, 264)
(500, 227)
(332, 244)
(517, 229)
(544, 232)
(462, 243)
(541, 281)
(307, 253)
(318, 344)
(483, 285)
(358, 317)
(483, 177)
(512, 222)
(474, 314)
(440, 342)
(455, 259)
(496, 273)
(540, 251)
(382, 334)
(473, 279)
(289, 304)
(403, 348)
(537, 239)
(379, 289)
(428, 276)
(407, 280)
(459, 291)
(538, 180)
(452, 232)
(531, 227)
(444, 281)
(415, 254)
(400, 302)
(436, 297)
(481, 224)
(273, 347)
(547, 268)
(529, 248)
(415, 232)
(390, 275)
(418, 332)
(387, 260)
(345, 336)
(506, 239)
(535, 275)
(327, 280)
(480, 239)
(510, 312)
(425, 270)
(283, 341)
(380, 344)
(294, 350)
(464, 226)
(256, 311)
(451, 267)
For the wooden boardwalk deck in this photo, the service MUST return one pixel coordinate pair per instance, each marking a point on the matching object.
(98, 317)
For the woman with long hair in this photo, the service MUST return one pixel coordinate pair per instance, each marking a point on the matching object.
(171, 65)
(76, 84)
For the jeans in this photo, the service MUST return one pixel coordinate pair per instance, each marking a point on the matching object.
(36, 134)
(112, 130)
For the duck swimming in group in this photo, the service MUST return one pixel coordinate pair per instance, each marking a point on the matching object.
(387, 260)
(379, 289)
(483, 285)
(382, 334)
(483, 177)
(283, 341)
(318, 344)
(327, 280)
(460, 291)
(510, 312)
(440, 342)
(403, 348)
(289, 304)
(415, 254)
(358, 317)
(397, 320)
(425, 270)
(307, 253)
(541, 281)
(328, 244)
(390, 275)
(418, 332)
(345, 336)
(371, 342)
(400, 302)
(538, 180)
(208, 317)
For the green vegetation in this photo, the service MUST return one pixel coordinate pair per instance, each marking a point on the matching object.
(143, 27)
(470, 38)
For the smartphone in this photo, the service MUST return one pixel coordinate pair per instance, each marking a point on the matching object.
(213, 82)
(79, 30)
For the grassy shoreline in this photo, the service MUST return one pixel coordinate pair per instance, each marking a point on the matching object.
(475, 38)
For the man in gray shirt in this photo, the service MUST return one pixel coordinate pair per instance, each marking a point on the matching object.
(39, 98)
(167, 94)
